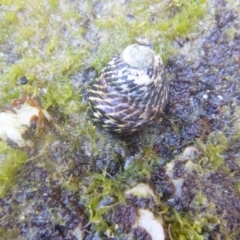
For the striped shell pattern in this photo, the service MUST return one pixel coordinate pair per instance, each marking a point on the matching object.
(130, 91)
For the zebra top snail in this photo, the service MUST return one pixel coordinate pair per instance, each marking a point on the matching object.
(130, 91)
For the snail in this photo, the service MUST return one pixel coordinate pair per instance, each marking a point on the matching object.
(131, 90)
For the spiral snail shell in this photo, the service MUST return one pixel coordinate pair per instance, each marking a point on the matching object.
(130, 91)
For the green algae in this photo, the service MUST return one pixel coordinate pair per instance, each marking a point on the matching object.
(103, 186)
(53, 3)
(213, 151)
(173, 19)
(59, 92)
(38, 51)
(231, 33)
(99, 189)
(181, 227)
(11, 162)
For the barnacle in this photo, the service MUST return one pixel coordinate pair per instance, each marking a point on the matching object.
(131, 90)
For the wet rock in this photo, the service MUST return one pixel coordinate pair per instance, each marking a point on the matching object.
(141, 234)
(124, 218)
(43, 205)
(163, 183)
(224, 17)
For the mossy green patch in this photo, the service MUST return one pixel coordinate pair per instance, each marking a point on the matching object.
(214, 151)
(40, 51)
(181, 228)
(11, 161)
(99, 189)
(59, 93)
(102, 187)
(137, 170)
(53, 3)
(160, 22)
